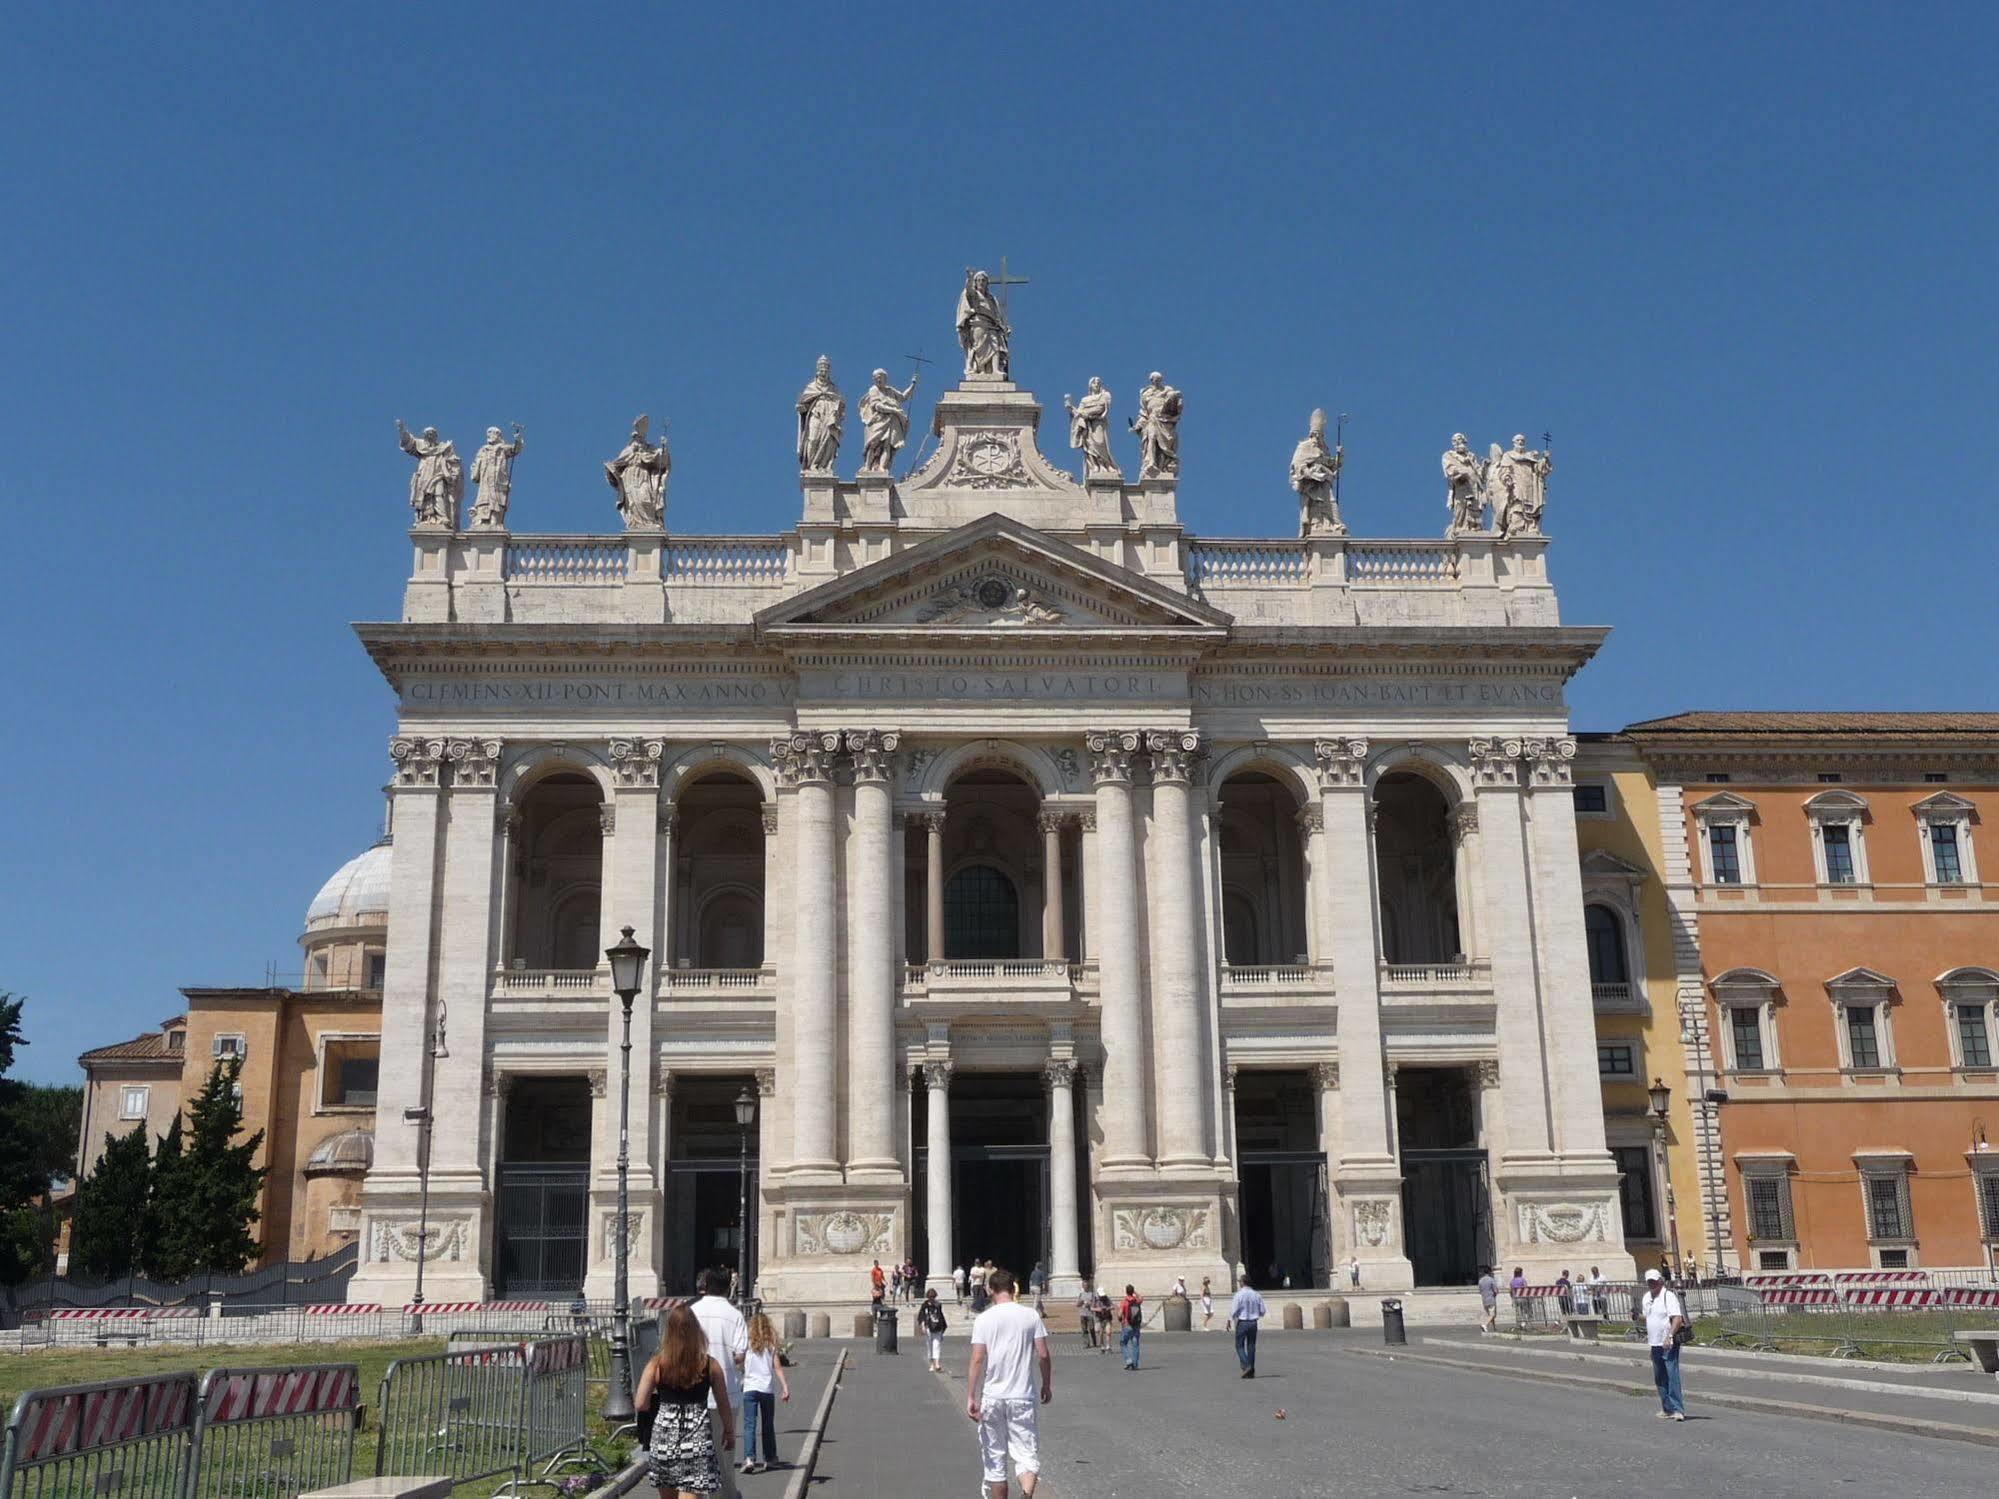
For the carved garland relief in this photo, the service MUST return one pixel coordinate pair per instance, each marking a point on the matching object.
(1160, 1230)
(399, 1241)
(844, 1232)
(1564, 1223)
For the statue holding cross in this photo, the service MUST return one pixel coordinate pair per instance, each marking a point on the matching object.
(983, 332)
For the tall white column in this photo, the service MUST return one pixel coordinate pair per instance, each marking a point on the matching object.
(1052, 947)
(1176, 985)
(1312, 844)
(933, 887)
(937, 1156)
(1115, 919)
(1065, 1269)
(407, 1002)
(871, 1090)
(815, 992)
(471, 838)
(1464, 864)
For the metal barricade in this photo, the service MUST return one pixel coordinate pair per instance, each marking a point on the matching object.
(1902, 1316)
(1536, 1309)
(274, 1433)
(128, 1437)
(553, 1403)
(457, 1415)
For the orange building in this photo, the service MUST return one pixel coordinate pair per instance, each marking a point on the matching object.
(1837, 951)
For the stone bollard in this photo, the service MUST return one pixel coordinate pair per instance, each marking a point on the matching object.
(1342, 1314)
(1294, 1316)
(819, 1325)
(1322, 1317)
(794, 1325)
(1179, 1316)
(864, 1325)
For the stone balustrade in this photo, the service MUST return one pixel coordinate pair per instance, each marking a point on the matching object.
(719, 983)
(550, 983)
(973, 978)
(1473, 975)
(1248, 564)
(569, 560)
(726, 561)
(1402, 564)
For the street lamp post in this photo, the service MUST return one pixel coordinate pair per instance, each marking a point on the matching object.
(1662, 1098)
(422, 1118)
(628, 961)
(1982, 1186)
(746, 1113)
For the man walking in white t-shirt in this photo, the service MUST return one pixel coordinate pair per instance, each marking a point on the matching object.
(999, 1389)
(728, 1345)
(1664, 1316)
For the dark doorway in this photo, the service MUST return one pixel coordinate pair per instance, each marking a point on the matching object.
(543, 1192)
(1281, 1181)
(1446, 1193)
(704, 1223)
(999, 1176)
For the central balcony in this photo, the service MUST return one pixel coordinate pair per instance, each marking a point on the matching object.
(682, 984)
(1266, 984)
(977, 979)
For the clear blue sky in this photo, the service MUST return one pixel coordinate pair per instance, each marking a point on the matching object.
(1739, 259)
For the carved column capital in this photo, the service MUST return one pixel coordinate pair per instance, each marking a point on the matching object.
(937, 1076)
(930, 822)
(599, 1082)
(607, 817)
(418, 762)
(1086, 820)
(1050, 822)
(1174, 753)
(475, 763)
(1058, 1073)
(1494, 762)
(766, 1082)
(1342, 763)
(1228, 1077)
(1488, 1073)
(636, 762)
(768, 812)
(1464, 820)
(1550, 761)
(873, 751)
(1110, 754)
(1327, 1076)
(499, 1084)
(806, 757)
(1311, 820)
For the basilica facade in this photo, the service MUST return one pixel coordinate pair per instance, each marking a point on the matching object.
(1058, 886)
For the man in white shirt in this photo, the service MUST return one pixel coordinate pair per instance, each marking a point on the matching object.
(958, 1283)
(728, 1345)
(1244, 1313)
(999, 1389)
(1664, 1317)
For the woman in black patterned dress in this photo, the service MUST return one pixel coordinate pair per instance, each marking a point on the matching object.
(677, 1384)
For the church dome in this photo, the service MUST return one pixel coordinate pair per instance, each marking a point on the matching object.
(357, 895)
(352, 1150)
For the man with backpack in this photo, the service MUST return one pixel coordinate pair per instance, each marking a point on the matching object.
(1131, 1320)
(1666, 1329)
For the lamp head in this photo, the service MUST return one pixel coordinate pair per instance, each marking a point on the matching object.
(627, 966)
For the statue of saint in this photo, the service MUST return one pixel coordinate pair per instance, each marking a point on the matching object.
(821, 412)
(439, 481)
(1090, 430)
(1314, 466)
(1158, 427)
(638, 476)
(493, 472)
(884, 422)
(982, 329)
(1520, 488)
(1464, 473)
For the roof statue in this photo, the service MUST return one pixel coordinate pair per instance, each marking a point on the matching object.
(1464, 480)
(638, 476)
(1090, 430)
(1314, 468)
(1519, 481)
(885, 422)
(822, 411)
(439, 481)
(1158, 427)
(982, 330)
(493, 472)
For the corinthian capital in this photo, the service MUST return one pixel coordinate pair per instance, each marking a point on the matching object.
(1494, 762)
(1174, 752)
(805, 757)
(1550, 761)
(635, 762)
(874, 753)
(475, 763)
(1110, 753)
(418, 761)
(1342, 762)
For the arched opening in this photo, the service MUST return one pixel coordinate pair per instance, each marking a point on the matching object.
(991, 880)
(1603, 931)
(981, 914)
(1262, 857)
(558, 874)
(1416, 863)
(718, 873)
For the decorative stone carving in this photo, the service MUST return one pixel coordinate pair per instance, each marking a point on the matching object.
(1158, 427)
(1071, 767)
(1086, 820)
(884, 422)
(439, 481)
(636, 762)
(804, 757)
(1488, 1072)
(418, 761)
(445, 1239)
(1090, 430)
(1160, 1230)
(1327, 1076)
(1311, 820)
(638, 477)
(915, 764)
(767, 1082)
(599, 1082)
(607, 818)
(498, 1084)
(844, 1232)
(475, 763)
(989, 600)
(1550, 762)
(1494, 762)
(988, 460)
(1342, 763)
(1110, 753)
(1564, 1223)
(1058, 1073)
(1228, 1076)
(768, 813)
(1464, 478)
(874, 753)
(1173, 752)
(1374, 1222)
(982, 330)
(822, 413)
(937, 1076)
(1050, 822)
(493, 472)
(1314, 468)
(1464, 820)
(1518, 480)
(608, 1232)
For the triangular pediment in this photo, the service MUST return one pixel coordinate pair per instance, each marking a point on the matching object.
(1724, 802)
(1601, 864)
(994, 574)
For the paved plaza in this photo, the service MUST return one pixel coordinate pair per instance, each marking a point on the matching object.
(1358, 1421)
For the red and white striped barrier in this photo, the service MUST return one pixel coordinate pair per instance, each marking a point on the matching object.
(100, 1314)
(555, 1356)
(1801, 1296)
(1915, 1298)
(461, 1307)
(663, 1303)
(177, 1313)
(60, 1424)
(1978, 1296)
(342, 1309)
(257, 1395)
(1789, 1280)
(1882, 1278)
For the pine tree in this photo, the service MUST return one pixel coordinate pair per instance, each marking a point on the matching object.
(111, 1209)
(23, 1228)
(218, 1182)
(163, 1243)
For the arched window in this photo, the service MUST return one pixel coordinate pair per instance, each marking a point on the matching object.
(1605, 935)
(1239, 930)
(981, 914)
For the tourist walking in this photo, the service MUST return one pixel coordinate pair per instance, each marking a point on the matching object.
(1009, 1346)
(1086, 1315)
(1353, 1271)
(1244, 1313)
(930, 1317)
(877, 1283)
(958, 1283)
(1131, 1320)
(762, 1369)
(1207, 1304)
(1599, 1291)
(729, 1344)
(909, 1280)
(895, 1281)
(1488, 1298)
(1665, 1320)
(678, 1383)
(1104, 1311)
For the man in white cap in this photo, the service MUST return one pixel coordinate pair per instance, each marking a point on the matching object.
(1665, 1319)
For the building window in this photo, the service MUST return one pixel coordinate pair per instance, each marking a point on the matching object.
(1988, 1203)
(1948, 855)
(132, 1103)
(1634, 1166)
(378, 968)
(176, 1041)
(981, 914)
(1717, 778)
(226, 1047)
(1727, 864)
(1839, 847)
(1936, 777)
(1943, 853)
(1745, 1030)
(1592, 799)
(1863, 1038)
(1769, 1207)
(1837, 838)
(1860, 998)
(1773, 1259)
(1616, 1059)
(1888, 1214)
(349, 1067)
(320, 971)
(1829, 777)
(1604, 935)
(1974, 1036)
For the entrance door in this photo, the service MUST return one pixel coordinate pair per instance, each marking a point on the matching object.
(1445, 1216)
(1283, 1217)
(543, 1220)
(999, 1171)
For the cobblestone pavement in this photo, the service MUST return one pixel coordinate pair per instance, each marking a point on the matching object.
(1185, 1424)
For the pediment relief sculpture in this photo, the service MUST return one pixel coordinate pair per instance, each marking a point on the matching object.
(989, 599)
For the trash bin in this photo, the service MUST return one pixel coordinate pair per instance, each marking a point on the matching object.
(885, 1329)
(1391, 1322)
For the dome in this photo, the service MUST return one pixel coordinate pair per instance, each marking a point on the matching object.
(358, 893)
(350, 1150)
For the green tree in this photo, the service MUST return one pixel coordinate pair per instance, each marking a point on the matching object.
(24, 1227)
(210, 1189)
(111, 1206)
(51, 1119)
(163, 1243)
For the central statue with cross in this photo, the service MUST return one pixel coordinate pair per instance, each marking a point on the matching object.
(983, 331)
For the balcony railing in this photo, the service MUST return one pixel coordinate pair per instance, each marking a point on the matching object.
(1273, 976)
(1050, 977)
(727, 983)
(588, 560)
(1610, 994)
(1476, 975)
(550, 983)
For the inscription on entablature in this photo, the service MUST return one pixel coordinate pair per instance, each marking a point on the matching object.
(662, 690)
(1375, 692)
(1025, 686)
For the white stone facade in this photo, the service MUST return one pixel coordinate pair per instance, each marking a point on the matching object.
(990, 664)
